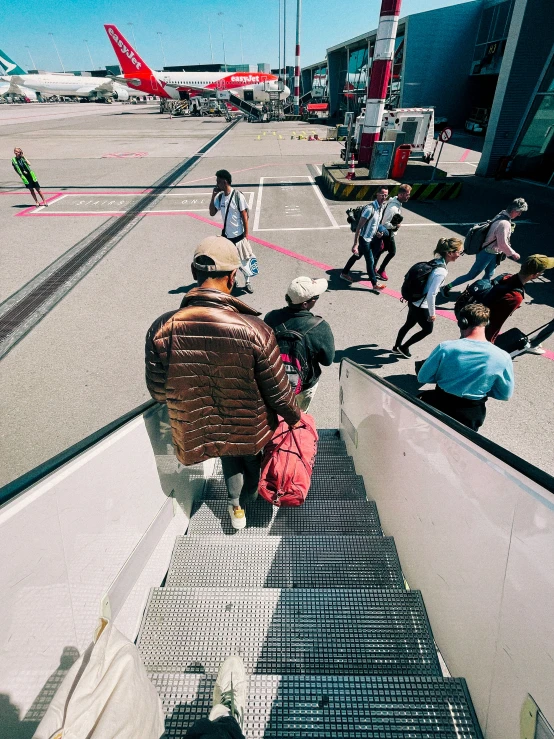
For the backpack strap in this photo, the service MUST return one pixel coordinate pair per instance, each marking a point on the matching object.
(227, 212)
(499, 217)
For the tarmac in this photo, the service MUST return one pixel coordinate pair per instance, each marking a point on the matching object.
(82, 365)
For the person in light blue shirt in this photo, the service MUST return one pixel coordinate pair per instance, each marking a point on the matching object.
(468, 371)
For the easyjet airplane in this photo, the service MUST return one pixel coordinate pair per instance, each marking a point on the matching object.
(138, 75)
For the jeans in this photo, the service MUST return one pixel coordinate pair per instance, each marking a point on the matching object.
(242, 475)
(364, 250)
(381, 246)
(415, 316)
(222, 728)
(483, 261)
(471, 413)
(306, 396)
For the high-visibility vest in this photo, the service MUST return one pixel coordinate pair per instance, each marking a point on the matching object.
(20, 173)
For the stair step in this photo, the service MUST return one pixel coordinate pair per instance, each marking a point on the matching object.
(322, 488)
(314, 517)
(320, 707)
(285, 562)
(288, 631)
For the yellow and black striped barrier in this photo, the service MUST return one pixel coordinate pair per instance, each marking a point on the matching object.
(351, 190)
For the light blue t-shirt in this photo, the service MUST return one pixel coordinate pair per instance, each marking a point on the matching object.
(470, 369)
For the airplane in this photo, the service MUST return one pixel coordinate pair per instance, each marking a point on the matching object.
(17, 81)
(139, 76)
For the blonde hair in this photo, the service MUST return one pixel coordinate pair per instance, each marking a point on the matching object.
(444, 246)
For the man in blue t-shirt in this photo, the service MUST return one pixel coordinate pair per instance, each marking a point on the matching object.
(468, 371)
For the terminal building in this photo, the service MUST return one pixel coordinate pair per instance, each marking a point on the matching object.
(485, 65)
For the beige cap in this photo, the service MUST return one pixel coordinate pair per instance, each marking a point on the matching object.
(302, 289)
(222, 251)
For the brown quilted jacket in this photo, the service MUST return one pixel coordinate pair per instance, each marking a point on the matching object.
(219, 369)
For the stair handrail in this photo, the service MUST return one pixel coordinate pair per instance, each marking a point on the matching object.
(524, 467)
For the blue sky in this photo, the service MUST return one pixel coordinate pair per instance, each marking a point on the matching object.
(184, 28)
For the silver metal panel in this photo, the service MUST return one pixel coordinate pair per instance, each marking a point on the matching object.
(288, 631)
(321, 707)
(314, 517)
(285, 562)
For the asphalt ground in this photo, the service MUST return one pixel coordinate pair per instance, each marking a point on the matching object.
(82, 365)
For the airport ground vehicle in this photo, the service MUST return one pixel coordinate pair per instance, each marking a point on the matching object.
(478, 121)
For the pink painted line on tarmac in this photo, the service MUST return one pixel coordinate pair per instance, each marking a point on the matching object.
(28, 211)
(465, 155)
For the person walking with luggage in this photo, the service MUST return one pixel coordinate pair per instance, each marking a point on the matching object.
(507, 295)
(307, 337)
(422, 311)
(218, 368)
(496, 246)
(467, 371)
(392, 218)
(234, 211)
(368, 226)
(23, 168)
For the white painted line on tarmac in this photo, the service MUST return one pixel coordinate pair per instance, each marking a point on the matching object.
(323, 203)
(317, 169)
(258, 205)
(305, 228)
(469, 223)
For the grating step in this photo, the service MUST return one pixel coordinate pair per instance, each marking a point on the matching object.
(319, 707)
(288, 631)
(314, 517)
(285, 562)
(325, 463)
(322, 488)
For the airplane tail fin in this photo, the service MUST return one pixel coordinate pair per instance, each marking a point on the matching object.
(129, 60)
(9, 65)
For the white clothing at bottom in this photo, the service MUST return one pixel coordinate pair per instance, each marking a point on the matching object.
(305, 397)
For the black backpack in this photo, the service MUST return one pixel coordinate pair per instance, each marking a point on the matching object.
(415, 281)
(295, 354)
(476, 237)
(483, 291)
(353, 216)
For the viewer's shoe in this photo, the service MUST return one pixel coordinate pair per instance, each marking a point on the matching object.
(445, 291)
(230, 691)
(238, 517)
(345, 277)
(383, 275)
(249, 289)
(536, 349)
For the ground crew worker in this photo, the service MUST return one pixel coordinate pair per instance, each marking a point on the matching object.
(28, 177)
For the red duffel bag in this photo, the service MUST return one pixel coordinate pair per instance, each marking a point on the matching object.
(288, 462)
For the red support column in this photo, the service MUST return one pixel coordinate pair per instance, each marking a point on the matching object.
(297, 59)
(380, 75)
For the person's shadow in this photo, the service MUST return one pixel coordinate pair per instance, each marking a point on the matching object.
(183, 289)
(335, 282)
(408, 383)
(367, 355)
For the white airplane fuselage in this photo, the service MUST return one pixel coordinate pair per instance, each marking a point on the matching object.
(66, 85)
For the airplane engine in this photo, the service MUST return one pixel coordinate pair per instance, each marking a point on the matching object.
(121, 94)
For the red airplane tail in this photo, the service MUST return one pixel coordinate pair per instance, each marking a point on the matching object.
(131, 63)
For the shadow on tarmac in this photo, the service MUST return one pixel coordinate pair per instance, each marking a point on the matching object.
(370, 356)
(408, 383)
(182, 289)
(335, 283)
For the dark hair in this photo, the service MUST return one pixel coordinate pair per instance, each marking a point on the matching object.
(474, 314)
(382, 187)
(224, 175)
(202, 274)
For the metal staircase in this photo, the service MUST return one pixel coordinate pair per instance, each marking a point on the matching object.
(250, 109)
(314, 601)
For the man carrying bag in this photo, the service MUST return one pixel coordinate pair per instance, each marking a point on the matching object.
(234, 211)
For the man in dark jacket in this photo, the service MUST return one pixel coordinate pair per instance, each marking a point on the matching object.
(218, 368)
(301, 297)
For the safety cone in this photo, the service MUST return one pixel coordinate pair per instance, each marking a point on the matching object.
(351, 169)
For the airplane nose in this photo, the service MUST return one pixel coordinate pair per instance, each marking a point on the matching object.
(286, 92)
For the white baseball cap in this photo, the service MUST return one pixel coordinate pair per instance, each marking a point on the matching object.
(303, 289)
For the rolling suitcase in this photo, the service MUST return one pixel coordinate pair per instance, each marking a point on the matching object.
(515, 342)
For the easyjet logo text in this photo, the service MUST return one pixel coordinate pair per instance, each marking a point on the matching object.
(246, 79)
(128, 52)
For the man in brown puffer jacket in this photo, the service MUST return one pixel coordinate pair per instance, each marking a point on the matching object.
(219, 369)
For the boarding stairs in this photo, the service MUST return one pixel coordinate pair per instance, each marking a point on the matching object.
(314, 600)
(253, 112)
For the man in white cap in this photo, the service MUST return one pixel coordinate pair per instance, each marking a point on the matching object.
(306, 341)
(218, 368)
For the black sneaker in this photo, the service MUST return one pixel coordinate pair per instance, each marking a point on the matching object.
(249, 289)
(403, 351)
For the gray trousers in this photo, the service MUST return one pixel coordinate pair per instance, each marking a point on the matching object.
(242, 475)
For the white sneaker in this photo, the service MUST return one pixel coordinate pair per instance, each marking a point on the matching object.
(536, 350)
(230, 691)
(238, 517)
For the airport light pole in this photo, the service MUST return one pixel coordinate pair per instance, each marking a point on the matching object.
(90, 55)
(280, 70)
(240, 34)
(285, 39)
(380, 76)
(211, 45)
(221, 14)
(33, 65)
(57, 52)
(297, 59)
(162, 46)
(133, 32)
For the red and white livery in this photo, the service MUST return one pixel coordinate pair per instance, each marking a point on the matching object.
(139, 76)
